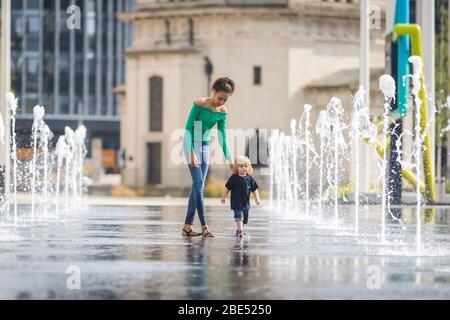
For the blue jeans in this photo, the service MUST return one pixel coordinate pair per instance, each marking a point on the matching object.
(241, 215)
(198, 175)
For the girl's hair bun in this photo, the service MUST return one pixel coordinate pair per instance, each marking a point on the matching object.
(224, 84)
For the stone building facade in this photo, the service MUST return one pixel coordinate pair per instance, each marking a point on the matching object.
(276, 51)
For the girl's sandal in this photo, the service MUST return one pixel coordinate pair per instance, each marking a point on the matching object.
(190, 233)
(206, 233)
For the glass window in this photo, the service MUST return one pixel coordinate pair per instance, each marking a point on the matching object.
(17, 5)
(156, 104)
(154, 163)
(48, 73)
(92, 77)
(257, 75)
(79, 83)
(33, 24)
(17, 32)
(31, 102)
(16, 72)
(92, 105)
(64, 80)
(49, 31)
(65, 38)
(32, 68)
(64, 106)
(49, 103)
(32, 4)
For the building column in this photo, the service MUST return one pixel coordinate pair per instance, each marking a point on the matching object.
(426, 20)
(364, 80)
(41, 53)
(99, 58)
(5, 87)
(110, 57)
(57, 55)
(119, 49)
(72, 68)
(24, 60)
(86, 103)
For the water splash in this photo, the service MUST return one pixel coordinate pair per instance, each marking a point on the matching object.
(294, 161)
(38, 124)
(2, 130)
(46, 136)
(80, 134)
(335, 113)
(359, 111)
(417, 86)
(61, 154)
(273, 141)
(12, 104)
(69, 177)
(323, 130)
(307, 142)
(387, 86)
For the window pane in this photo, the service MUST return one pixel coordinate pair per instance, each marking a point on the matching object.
(154, 163)
(156, 103)
(257, 75)
(32, 67)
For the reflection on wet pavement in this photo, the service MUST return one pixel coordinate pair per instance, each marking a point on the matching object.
(138, 253)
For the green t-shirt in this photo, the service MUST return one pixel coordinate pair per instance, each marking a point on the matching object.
(199, 124)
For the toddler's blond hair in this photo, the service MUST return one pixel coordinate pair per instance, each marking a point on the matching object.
(242, 160)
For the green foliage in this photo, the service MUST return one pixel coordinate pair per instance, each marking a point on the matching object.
(442, 67)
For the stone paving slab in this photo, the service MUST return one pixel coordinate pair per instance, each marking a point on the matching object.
(136, 252)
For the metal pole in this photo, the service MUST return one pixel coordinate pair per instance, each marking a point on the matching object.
(5, 80)
(399, 70)
(426, 20)
(364, 80)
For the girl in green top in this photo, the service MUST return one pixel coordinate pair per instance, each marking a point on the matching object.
(205, 114)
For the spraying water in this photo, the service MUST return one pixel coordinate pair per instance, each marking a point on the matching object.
(12, 107)
(273, 140)
(80, 134)
(2, 130)
(61, 154)
(387, 86)
(417, 86)
(323, 130)
(69, 136)
(335, 113)
(38, 124)
(46, 136)
(279, 171)
(307, 142)
(2, 141)
(294, 161)
(358, 115)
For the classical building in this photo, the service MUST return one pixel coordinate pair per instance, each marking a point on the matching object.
(278, 52)
(69, 70)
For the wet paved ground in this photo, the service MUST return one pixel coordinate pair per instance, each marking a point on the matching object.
(138, 253)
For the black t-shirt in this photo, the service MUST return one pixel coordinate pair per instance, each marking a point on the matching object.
(241, 187)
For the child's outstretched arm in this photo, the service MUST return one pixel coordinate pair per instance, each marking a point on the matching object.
(257, 200)
(224, 195)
